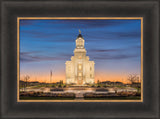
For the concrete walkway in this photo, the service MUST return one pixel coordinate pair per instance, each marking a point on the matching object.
(79, 96)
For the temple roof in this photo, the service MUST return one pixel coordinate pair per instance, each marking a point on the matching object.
(80, 35)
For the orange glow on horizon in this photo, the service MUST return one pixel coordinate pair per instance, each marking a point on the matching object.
(57, 78)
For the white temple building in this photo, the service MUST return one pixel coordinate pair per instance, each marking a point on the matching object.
(80, 71)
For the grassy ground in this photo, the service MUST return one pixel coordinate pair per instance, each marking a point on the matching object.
(60, 98)
(115, 98)
(45, 98)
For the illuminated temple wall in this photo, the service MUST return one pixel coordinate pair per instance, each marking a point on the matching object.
(80, 70)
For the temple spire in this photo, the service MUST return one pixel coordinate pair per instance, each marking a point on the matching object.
(80, 36)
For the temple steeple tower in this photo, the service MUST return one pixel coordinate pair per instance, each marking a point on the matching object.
(80, 71)
(79, 41)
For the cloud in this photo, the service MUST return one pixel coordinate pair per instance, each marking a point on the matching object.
(66, 54)
(115, 57)
(77, 23)
(62, 30)
(33, 57)
(90, 23)
(41, 35)
(26, 22)
(104, 50)
(115, 50)
(89, 37)
(115, 54)
(58, 40)
(37, 34)
(109, 35)
(133, 34)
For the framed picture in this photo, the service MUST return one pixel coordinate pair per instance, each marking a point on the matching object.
(115, 45)
(83, 59)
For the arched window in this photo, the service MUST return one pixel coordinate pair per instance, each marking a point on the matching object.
(79, 66)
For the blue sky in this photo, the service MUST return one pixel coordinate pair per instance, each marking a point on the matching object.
(114, 45)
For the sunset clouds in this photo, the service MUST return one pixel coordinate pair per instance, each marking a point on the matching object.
(114, 45)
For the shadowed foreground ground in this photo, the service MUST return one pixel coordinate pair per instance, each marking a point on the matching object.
(59, 98)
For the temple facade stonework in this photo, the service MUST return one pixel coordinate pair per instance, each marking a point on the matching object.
(80, 71)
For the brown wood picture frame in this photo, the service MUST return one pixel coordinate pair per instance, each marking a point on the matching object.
(147, 9)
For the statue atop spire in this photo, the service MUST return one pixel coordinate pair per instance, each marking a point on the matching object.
(79, 31)
(80, 36)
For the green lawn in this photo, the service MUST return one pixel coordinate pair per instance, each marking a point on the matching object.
(45, 98)
(60, 98)
(115, 98)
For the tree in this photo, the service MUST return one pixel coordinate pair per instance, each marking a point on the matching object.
(26, 78)
(133, 78)
(61, 81)
(98, 82)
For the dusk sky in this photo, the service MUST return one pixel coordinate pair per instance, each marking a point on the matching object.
(114, 46)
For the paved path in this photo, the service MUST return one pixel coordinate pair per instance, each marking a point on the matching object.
(79, 96)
